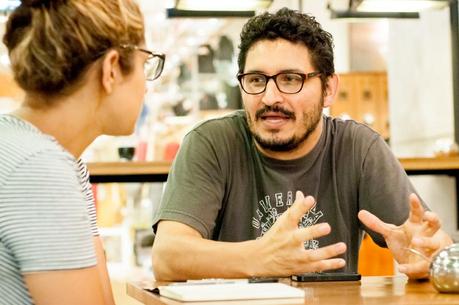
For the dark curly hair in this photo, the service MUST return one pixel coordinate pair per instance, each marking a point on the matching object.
(292, 26)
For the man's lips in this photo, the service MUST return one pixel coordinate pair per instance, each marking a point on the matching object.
(274, 112)
(274, 120)
(274, 116)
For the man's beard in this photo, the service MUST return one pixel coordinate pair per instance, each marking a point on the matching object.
(310, 121)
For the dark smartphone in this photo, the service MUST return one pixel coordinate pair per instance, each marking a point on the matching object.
(326, 277)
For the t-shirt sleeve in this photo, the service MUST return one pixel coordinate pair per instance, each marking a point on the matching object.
(195, 186)
(89, 195)
(384, 187)
(44, 215)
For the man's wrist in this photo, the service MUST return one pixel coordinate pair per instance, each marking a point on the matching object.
(254, 258)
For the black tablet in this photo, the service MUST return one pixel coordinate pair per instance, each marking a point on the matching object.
(325, 277)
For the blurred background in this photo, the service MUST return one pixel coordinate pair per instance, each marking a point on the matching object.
(397, 63)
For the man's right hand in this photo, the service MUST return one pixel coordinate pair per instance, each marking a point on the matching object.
(181, 253)
(281, 249)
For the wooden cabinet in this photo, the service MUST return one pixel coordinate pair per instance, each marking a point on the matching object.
(362, 96)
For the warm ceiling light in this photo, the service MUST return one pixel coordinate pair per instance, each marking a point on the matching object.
(222, 5)
(400, 5)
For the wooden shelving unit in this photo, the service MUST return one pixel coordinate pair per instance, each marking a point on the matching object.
(439, 165)
(157, 171)
(129, 171)
(362, 96)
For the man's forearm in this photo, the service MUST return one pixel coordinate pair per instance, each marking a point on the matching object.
(185, 257)
(180, 252)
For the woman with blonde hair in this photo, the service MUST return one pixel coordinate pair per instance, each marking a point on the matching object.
(83, 66)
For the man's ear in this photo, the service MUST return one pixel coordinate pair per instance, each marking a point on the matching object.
(110, 70)
(331, 88)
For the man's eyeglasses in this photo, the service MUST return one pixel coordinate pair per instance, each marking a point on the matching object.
(286, 82)
(154, 64)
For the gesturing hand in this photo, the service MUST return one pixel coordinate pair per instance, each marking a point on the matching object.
(282, 251)
(421, 231)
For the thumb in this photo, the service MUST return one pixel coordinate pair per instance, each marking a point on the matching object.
(374, 223)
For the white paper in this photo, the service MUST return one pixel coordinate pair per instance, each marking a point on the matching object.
(238, 291)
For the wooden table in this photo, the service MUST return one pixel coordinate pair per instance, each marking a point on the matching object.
(370, 290)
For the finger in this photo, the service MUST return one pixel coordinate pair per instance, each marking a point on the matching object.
(325, 252)
(432, 223)
(374, 223)
(327, 264)
(312, 232)
(426, 243)
(299, 195)
(300, 207)
(416, 209)
(416, 270)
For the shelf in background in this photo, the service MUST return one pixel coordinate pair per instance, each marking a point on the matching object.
(431, 166)
(157, 171)
(106, 172)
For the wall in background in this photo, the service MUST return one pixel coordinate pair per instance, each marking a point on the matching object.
(368, 45)
(339, 30)
(421, 101)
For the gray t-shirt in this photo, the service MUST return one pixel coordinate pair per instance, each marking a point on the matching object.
(47, 215)
(221, 185)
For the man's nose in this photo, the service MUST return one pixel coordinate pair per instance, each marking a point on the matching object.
(272, 94)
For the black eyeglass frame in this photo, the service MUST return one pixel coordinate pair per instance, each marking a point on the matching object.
(304, 77)
(151, 55)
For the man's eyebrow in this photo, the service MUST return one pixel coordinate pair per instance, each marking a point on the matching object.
(292, 71)
(280, 71)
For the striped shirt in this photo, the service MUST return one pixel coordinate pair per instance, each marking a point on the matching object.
(89, 196)
(47, 213)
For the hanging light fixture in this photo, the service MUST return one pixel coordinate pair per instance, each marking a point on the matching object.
(354, 16)
(217, 8)
(398, 6)
(359, 10)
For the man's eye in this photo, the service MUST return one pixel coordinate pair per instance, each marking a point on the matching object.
(256, 79)
(289, 78)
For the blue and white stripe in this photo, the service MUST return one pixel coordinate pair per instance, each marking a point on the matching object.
(47, 212)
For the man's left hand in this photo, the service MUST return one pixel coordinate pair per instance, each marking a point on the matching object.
(421, 232)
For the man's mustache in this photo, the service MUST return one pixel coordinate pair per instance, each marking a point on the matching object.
(274, 109)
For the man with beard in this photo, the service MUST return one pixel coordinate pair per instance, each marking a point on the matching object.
(234, 204)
